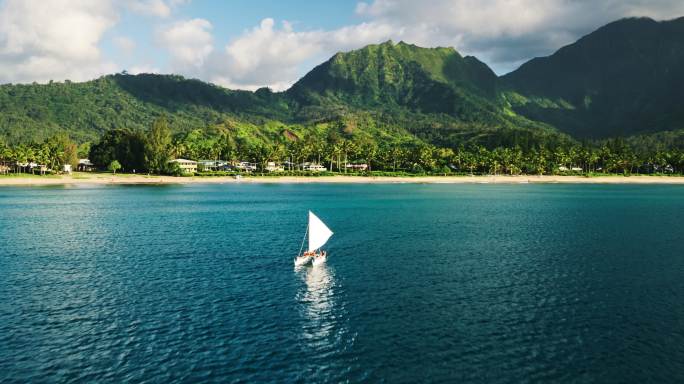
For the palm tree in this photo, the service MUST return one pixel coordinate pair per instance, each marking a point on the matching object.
(348, 147)
(20, 156)
(335, 149)
(593, 159)
(397, 154)
(482, 156)
(369, 150)
(469, 161)
(540, 160)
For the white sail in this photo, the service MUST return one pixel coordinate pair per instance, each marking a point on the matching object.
(319, 233)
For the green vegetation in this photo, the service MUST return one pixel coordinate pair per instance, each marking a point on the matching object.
(626, 78)
(158, 147)
(114, 166)
(52, 154)
(395, 107)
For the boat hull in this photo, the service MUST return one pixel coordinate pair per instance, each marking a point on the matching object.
(302, 260)
(319, 259)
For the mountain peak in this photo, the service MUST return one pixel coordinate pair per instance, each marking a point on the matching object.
(623, 78)
(398, 74)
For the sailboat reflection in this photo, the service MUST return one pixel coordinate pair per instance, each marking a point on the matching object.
(318, 300)
(324, 331)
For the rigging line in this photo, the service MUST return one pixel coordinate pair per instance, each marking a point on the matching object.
(302, 247)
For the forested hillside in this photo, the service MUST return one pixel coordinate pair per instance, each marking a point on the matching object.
(625, 78)
(624, 81)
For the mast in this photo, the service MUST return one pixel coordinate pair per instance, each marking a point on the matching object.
(302, 247)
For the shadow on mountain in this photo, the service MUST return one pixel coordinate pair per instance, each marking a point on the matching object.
(175, 93)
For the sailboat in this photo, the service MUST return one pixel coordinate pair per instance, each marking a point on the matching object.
(319, 234)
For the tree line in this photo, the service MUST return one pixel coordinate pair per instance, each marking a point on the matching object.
(53, 153)
(150, 151)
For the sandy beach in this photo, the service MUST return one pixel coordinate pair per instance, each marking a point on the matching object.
(107, 179)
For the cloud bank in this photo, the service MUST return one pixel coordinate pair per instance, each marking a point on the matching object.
(502, 33)
(42, 40)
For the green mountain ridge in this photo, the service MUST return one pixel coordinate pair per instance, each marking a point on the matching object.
(603, 85)
(623, 79)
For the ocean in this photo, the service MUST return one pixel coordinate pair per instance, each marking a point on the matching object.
(423, 283)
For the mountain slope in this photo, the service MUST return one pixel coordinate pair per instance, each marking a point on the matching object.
(85, 110)
(625, 78)
(393, 92)
(434, 93)
(429, 80)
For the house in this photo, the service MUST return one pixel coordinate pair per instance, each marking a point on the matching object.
(290, 165)
(357, 166)
(563, 168)
(271, 166)
(314, 167)
(246, 166)
(213, 165)
(42, 168)
(224, 166)
(207, 165)
(188, 166)
(84, 165)
(576, 169)
(4, 169)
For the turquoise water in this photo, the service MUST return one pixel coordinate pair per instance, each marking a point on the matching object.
(424, 283)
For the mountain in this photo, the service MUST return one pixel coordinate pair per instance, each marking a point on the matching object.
(434, 93)
(396, 92)
(625, 78)
(431, 80)
(32, 112)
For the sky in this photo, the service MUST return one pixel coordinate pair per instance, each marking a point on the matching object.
(247, 44)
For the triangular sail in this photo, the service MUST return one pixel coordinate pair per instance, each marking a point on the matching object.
(319, 233)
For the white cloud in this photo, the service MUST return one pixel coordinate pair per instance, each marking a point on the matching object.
(189, 42)
(42, 40)
(505, 32)
(155, 8)
(270, 56)
(60, 39)
(138, 69)
(124, 44)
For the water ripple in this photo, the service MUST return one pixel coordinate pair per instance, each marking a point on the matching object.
(425, 283)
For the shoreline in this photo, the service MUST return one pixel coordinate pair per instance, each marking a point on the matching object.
(106, 179)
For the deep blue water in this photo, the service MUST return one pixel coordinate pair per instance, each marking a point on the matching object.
(424, 283)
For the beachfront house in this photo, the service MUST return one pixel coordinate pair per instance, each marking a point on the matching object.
(206, 165)
(213, 165)
(313, 167)
(21, 167)
(357, 166)
(85, 165)
(225, 166)
(187, 166)
(4, 169)
(289, 165)
(271, 166)
(41, 168)
(246, 166)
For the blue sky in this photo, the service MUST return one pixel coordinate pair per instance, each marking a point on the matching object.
(248, 44)
(228, 19)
